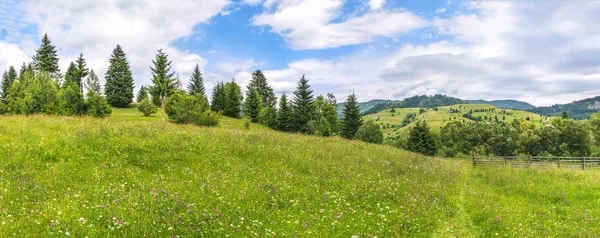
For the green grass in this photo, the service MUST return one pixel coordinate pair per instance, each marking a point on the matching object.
(130, 176)
(391, 122)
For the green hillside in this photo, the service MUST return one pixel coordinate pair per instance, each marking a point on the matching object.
(579, 110)
(505, 104)
(392, 122)
(364, 106)
(131, 176)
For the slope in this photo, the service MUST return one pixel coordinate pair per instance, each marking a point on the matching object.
(580, 110)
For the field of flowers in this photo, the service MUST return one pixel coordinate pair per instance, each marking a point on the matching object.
(130, 176)
(119, 176)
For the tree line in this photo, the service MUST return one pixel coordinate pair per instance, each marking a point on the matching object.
(558, 136)
(40, 88)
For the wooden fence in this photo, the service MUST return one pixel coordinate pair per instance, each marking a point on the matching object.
(537, 161)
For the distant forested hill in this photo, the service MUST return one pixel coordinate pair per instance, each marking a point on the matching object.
(505, 104)
(419, 101)
(579, 110)
(364, 106)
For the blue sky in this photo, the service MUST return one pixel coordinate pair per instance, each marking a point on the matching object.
(543, 52)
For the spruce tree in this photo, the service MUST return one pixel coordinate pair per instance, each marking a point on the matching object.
(164, 82)
(81, 71)
(196, 86)
(92, 85)
(259, 83)
(303, 107)
(421, 140)
(142, 94)
(46, 58)
(352, 119)
(70, 76)
(218, 97)
(283, 114)
(253, 104)
(233, 99)
(8, 78)
(564, 114)
(119, 82)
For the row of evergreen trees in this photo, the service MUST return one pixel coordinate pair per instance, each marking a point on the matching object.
(39, 87)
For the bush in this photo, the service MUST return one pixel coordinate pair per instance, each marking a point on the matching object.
(369, 132)
(98, 106)
(146, 107)
(191, 109)
(247, 122)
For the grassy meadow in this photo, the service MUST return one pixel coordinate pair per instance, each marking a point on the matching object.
(131, 176)
(391, 121)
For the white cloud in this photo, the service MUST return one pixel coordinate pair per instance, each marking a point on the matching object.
(307, 24)
(441, 10)
(542, 55)
(11, 55)
(141, 27)
(376, 4)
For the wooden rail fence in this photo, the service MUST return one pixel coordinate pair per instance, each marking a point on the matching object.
(537, 161)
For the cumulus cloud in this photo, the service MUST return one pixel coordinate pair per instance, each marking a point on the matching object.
(141, 27)
(308, 24)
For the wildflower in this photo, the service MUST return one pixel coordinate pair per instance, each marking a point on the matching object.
(52, 224)
(190, 211)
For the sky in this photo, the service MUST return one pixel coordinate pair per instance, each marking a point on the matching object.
(542, 52)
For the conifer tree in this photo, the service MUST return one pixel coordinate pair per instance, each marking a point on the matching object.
(303, 107)
(259, 83)
(233, 99)
(70, 76)
(564, 114)
(92, 85)
(283, 114)
(421, 140)
(119, 82)
(8, 78)
(164, 82)
(142, 94)
(196, 86)
(81, 72)
(253, 104)
(352, 119)
(218, 97)
(46, 58)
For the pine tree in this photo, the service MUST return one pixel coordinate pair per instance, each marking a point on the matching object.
(564, 114)
(259, 83)
(253, 104)
(164, 82)
(81, 71)
(303, 106)
(283, 114)
(218, 97)
(142, 94)
(119, 82)
(352, 119)
(70, 76)
(196, 86)
(8, 78)
(421, 140)
(92, 85)
(233, 99)
(46, 58)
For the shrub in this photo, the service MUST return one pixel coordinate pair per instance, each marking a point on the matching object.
(98, 106)
(247, 122)
(369, 132)
(146, 107)
(191, 109)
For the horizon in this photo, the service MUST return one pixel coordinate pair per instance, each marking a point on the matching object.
(542, 53)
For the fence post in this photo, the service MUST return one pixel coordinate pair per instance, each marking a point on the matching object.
(559, 159)
(583, 164)
(529, 160)
(473, 156)
(505, 163)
